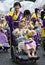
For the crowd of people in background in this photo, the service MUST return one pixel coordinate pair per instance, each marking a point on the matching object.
(25, 26)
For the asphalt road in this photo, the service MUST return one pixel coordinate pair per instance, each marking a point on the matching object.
(6, 60)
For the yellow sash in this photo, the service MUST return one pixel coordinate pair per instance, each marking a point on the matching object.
(44, 17)
(31, 25)
(27, 36)
(11, 13)
(34, 15)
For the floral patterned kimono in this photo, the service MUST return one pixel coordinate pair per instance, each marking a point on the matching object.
(3, 40)
(3, 37)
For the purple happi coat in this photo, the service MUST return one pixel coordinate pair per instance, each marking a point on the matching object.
(11, 23)
(34, 20)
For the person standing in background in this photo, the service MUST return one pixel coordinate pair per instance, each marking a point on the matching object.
(43, 12)
(12, 16)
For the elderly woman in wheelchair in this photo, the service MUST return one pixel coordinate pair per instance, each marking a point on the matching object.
(25, 38)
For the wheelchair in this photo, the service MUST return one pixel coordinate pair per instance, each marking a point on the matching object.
(18, 57)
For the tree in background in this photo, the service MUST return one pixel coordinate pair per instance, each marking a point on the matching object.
(31, 0)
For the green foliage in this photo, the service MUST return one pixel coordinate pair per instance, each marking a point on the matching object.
(31, 0)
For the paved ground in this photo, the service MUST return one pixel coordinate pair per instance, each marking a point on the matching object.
(6, 60)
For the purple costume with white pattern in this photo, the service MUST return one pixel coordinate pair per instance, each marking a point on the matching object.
(3, 40)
